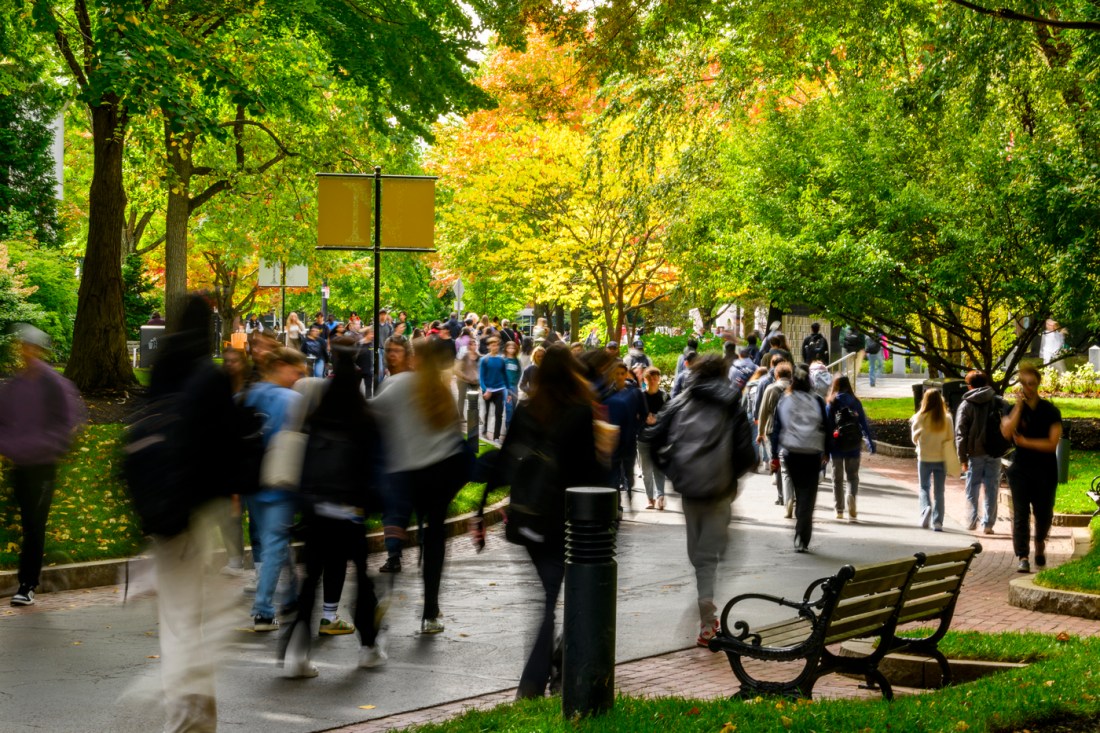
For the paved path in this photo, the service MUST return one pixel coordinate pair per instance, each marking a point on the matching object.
(83, 661)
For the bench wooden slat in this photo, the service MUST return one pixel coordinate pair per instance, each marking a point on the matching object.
(879, 585)
(789, 638)
(924, 608)
(936, 572)
(963, 554)
(863, 623)
(947, 585)
(855, 606)
(883, 569)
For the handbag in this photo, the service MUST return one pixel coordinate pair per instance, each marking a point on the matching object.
(951, 465)
(282, 464)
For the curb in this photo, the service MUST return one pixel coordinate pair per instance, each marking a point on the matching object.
(905, 670)
(75, 576)
(1023, 593)
(895, 451)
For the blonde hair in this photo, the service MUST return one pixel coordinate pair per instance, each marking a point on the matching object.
(431, 395)
(932, 405)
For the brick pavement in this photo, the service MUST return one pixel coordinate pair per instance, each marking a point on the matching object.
(697, 673)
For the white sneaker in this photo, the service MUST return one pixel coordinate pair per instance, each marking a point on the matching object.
(372, 656)
(298, 669)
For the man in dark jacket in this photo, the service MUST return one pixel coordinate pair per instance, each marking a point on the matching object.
(626, 409)
(815, 346)
(39, 413)
(707, 518)
(982, 469)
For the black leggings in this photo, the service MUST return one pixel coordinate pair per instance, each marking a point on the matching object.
(496, 401)
(550, 565)
(33, 488)
(432, 488)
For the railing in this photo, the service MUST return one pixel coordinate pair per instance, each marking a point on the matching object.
(849, 366)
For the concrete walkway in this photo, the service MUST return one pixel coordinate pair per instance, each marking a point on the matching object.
(83, 661)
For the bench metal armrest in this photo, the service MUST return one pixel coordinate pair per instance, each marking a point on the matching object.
(805, 610)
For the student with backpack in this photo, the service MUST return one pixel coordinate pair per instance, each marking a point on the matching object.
(874, 357)
(799, 437)
(847, 422)
(703, 443)
(551, 447)
(980, 445)
(815, 347)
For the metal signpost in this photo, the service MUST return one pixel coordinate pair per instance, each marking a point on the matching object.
(345, 222)
(278, 275)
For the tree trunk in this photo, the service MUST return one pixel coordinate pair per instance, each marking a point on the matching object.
(575, 324)
(176, 217)
(99, 361)
(559, 318)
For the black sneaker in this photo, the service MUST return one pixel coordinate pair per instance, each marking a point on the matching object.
(24, 596)
(262, 623)
(392, 565)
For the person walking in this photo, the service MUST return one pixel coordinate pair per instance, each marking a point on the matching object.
(336, 497)
(709, 445)
(652, 477)
(799, 439)
(846, 420)
(873, 348)
(815, 347)
(980, 445)
(934, 436)
(397, 505)
(493, 380)
(766, 404)
(557, 421)
(1035, 426)
(626, 410)
(295, 331)
(40, 411)
(513, 372)
(316, 346)
(424, 455)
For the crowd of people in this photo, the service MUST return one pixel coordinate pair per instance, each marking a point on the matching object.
(337, 440)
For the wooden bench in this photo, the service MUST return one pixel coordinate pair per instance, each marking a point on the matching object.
(857, 603)
(1094, 494)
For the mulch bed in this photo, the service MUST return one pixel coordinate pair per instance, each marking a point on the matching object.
(112, 407)
(1084, 433)
(1067, 724)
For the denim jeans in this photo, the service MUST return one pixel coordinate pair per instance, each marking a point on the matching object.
(932, 472)
(874, 367)
(652, 478)
(982, 471)
(319, 368)
(275, 512)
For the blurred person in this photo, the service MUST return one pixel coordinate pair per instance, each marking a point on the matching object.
(934, 436)
(799, 437)
(847, 422)
(424, 456)
(636, 356)
(692, 346)
(820, 378)
(750, 395)
(683, 377)
(193, 606)
(492, 378)
(526, 347)
(705, 472)
(237, 368)
(875, 356)
(980, 445)
(540, 331)
(576, 348)
(316, 346)
(364, 359)
(1051, 343)
(815, 347)
(742, 369)
(766, 403)
(397, 504)
(336, 497)
(526, 381)
(513, 372)
(40, 411)
(1035, 426)
(557, 420)
(626, 410)
(652, 478)
(355, 323)
(295, 331)
(273, 508)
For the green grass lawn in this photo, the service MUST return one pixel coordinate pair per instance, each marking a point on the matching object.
(1063, 685)
(91, 517)
(1082, 574)
(901, 408)
(1084, 466)
(1004, 646)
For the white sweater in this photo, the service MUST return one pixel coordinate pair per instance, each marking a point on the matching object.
(409, 442)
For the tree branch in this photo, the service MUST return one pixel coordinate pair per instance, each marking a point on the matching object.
(70, 58)
(1006, 14)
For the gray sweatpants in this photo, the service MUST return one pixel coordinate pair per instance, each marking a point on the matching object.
(842, 467)
(707, 536)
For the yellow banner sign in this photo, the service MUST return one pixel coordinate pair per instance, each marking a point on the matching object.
(345, 211)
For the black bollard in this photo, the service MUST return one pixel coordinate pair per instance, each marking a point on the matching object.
(591, 581)
(472, 436)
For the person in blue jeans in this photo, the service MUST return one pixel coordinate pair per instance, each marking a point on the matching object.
(874, 357)
(934, 436)
(315, 345)
(493, 377)
(982, 469)
(847, 443)
(274, 507)
(513, 370)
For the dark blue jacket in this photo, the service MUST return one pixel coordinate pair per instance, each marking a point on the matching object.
(852, 402)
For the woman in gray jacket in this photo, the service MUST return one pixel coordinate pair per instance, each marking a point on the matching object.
(800, 438)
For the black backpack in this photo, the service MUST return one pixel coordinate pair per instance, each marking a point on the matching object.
(531, 502)
(853, 342)
(846, 432)
(154, 467)
(874, 345)
(817, 348)
(995, 443)
(250, 449)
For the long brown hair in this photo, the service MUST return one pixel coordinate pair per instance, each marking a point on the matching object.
(932, 405)
(557, 384)
(431, 395)
(841, 385)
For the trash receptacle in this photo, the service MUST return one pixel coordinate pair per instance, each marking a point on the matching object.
(952, 391)
(918, 395)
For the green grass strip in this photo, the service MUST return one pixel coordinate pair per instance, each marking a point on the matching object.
(1066, 684)
(1082, 574)
(901, 408)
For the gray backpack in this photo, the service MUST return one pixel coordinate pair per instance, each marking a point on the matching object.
(708, 449)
